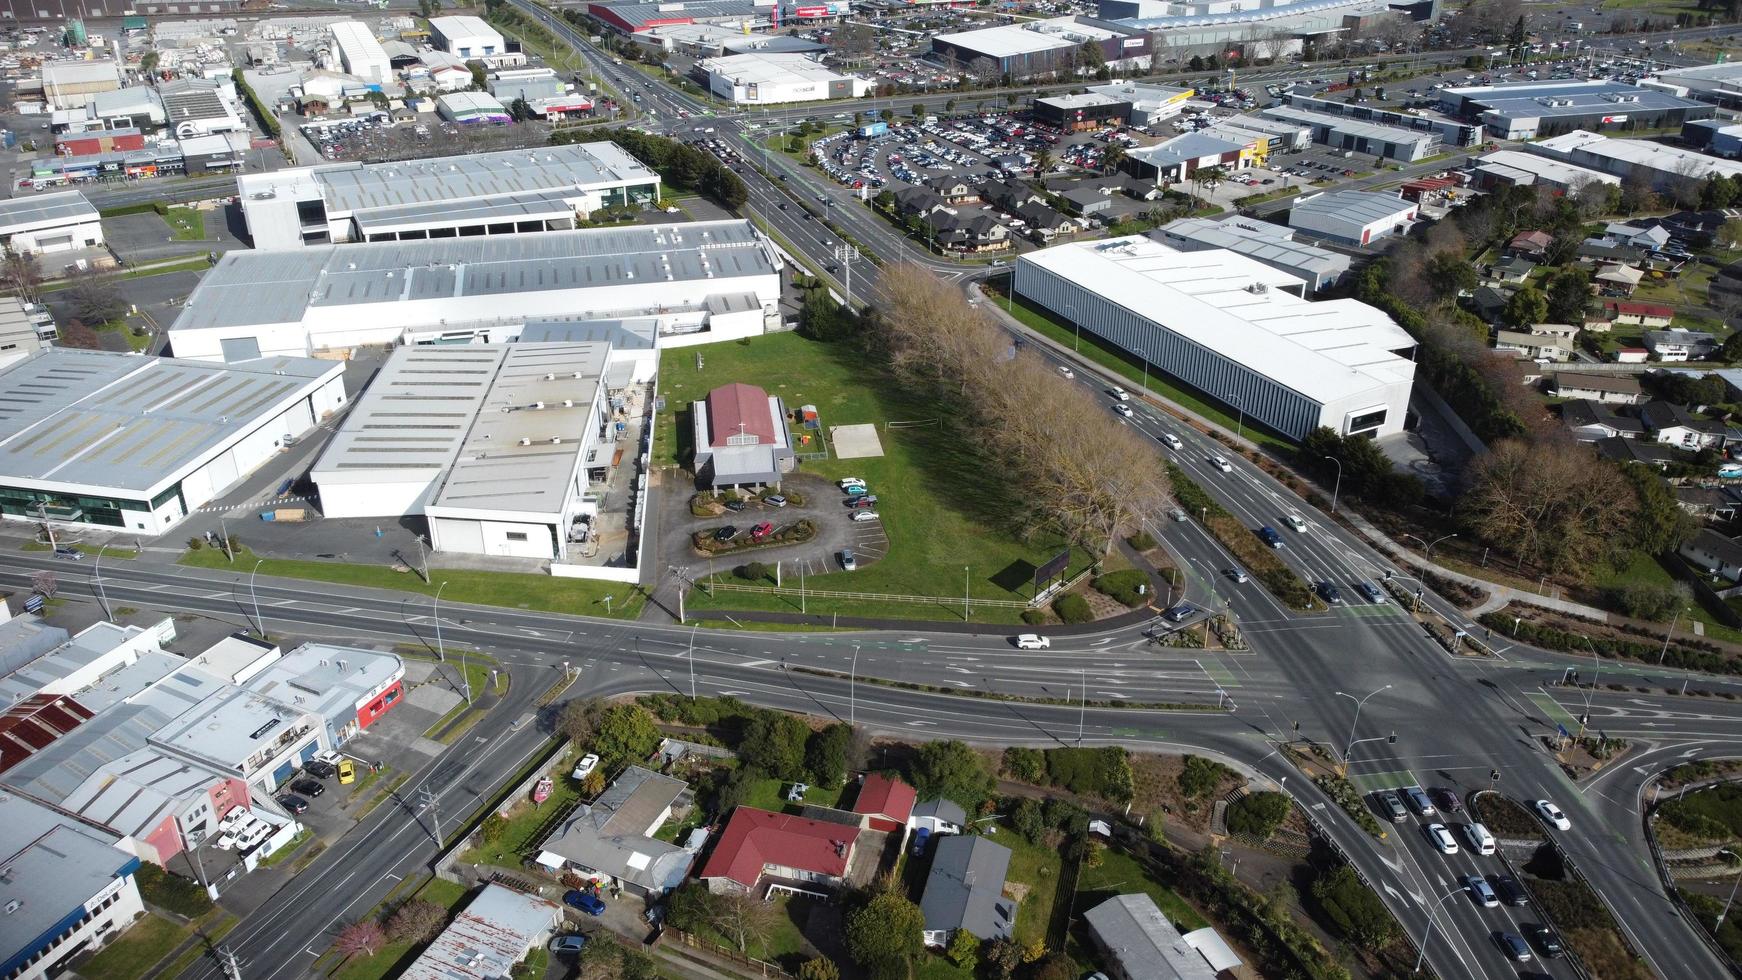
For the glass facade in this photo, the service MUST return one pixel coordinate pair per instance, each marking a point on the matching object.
(21, 502)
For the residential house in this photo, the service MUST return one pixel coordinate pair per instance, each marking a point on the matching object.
(1672, 425)
(1616, 279)
(953, 190)
(1629, 314)
(1592, 421)
(1489, 302)
(792, 853)
(1678, 344)
(1043, 223)
(939, 816)
(965, 890)
(973, 232)
(1515, 270)
(1708, 503)
(1632, 355)
(885, 803)
(1717, 554)
(1642, 451)
(1530, 244)
(1603, 250)
(1619, 389)
(1140, 190)
(1560, 331)
(1529, 345)
(1088, 200)
(490, 938)
(611, 839)
(920, 201)
(1007, 196)
(1138, 942)
(1649, 239)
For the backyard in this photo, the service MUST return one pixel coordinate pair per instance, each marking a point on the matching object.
(939, 532)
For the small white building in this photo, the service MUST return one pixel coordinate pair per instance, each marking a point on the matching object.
(495, 932)
(360, 53)
(42, 224)
(466, 37)
(765, 79)
(1352, 217)
(67, 887)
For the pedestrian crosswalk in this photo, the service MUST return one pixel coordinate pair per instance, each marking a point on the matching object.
(257, 503)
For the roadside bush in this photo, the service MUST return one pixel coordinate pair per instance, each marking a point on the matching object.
(1104, 772)
(1681, 655)
(1354, 910)
(1026, 819)
(1142, 541)
(1657, 603)
(753, 571)
(1258, 814)
(1035, 617)
(196, 543)
(1024, 765)
(1128, 586)
(1715, 812)
(1201, 777)
(1072, 608)
(173, 893)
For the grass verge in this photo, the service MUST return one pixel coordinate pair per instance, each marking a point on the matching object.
(284, 853)
(185, 224)
(141, 947)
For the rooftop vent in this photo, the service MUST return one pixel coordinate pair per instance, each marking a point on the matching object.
(13, 906)
(525, 442)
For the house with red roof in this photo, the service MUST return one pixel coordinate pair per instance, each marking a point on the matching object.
(885, 803)
(740, 437)
(759, 846)
(1631, 313)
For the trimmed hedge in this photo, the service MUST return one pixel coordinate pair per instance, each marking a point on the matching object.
(1679, 656)
(1072, 608)
(1124, 586)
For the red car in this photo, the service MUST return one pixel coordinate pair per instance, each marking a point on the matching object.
(761, 531)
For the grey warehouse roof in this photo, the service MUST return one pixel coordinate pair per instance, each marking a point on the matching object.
(53, 865)
(129, 423)
(377, 185)
(1148, 946)
(1268, 243)
(1353, 127)
(1364, 207)
(19, 212)
(250, 287)
(534, 204)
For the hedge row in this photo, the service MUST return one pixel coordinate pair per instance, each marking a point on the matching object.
(1549, 638)
(268, 121)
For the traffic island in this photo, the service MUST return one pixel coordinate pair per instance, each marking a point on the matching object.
(1443, 632)
(707, 542)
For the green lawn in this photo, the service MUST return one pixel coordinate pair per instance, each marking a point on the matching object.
(933, 966)
(510, 589)
(1646, 570)
(289, 850)
(1038, 868)
(388, 960)
(185, 224)
(537, 41)
(139, 949)
(526, 825)
(108, 555)
(783, 942)
(1122, 874)
(1094, 349)
(941, 504)
(770, 794)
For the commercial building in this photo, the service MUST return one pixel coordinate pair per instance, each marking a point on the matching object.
(768, 79)
(965, 890)
(1262, 241)
(18, 334)
(1268, 136)
(741, 438)
(1083, 110)
(67, 887)
(1719, 84)
(611, 839)
(1150, 104)
(1452, 132)
(196, 107)
(465, 37)
(1138, 942)
(1666, 167)
(1252, 32)
(1039, 47)
(531, 84)
(46, 223)
(487, 940)
(1531, 110)
(471, 108)
(1235, 330)
(1175, 160)
(678, 285)
(119, 440)
(360, 54)
(1515, 168)
(506, 192)
(71, 84)
(137, 107)
(1352, 217)
(1364, 138)
(1718, 136)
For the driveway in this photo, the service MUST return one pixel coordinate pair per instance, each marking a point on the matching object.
(823, 504)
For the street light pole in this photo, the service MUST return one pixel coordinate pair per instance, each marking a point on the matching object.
(1240, 422)
(1359, 704)
(258, 620)
(692, 660)
(1661, 654)
(1075, 323)
(1429, 931)
(965, 615)
(1339, 486)
(853, 690)
(441, 652)
(1082, 709)
(104, 597)
(1720, 923)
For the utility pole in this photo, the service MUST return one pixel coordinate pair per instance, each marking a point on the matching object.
(423, 562)
(853, 690)
(1667, 634)
(846, 254)
(258, 621)
(441, 652)
(224, 529)
(428, 802)
(228, 962)
(103, 596)
(47, 525)
(966, 616)
(692, 660)
(1082, 709)
(1339, 485)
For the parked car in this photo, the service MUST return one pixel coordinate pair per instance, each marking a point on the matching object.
(1032, 641)
(585, 901)
(319, 769)
(347, 772)
(583, 768)
(869, 500)
(864, 515)
(293, 805)
(849, 481)
(857, 490)
(310, 788)
(760, 531)
(735, 505)
(726, 533)
(774, 500)
(568, 945)
(849, 563)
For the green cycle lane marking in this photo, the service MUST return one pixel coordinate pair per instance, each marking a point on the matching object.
(1223, 677)
(1555, 712)
(1375, 610)
(1373, 782)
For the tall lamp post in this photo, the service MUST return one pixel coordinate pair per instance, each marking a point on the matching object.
(1339, 485)
(1076, 324)
(1144, 357)
(1240, 422)
(1429, 931)
(1359, 704)
(853, 690)
(104, 598)
(1429, 546)
(258, 619)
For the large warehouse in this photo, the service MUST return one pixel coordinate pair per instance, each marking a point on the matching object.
(1262, 241)
(465, 37)
(492, 443)
(1253, 31)
(1150, 104)
(1038, 47)
(1665, 166)
(125, 441)
(1079, 111)
(1234, 329)
(770, 79)
(1352, 217)
(1365, 138)
(698, 283)
(1517, 168)
(506, 192)
(46, 223)
(1533, 110)
(360, 54)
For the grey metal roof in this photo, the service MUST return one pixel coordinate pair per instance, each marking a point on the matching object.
(360, 187)
(948, 811)
(53, 865)
(23, 212)
(1134, 931)
(134, 424)
(135, 793)
(1584, 103)
(191, 98)
(1189, 146)
(635, 333)
(250, 287)
(1357, 207)
(535, 204)
(609, 835)
(965, 888)
(1352, 127)
(1271, 244)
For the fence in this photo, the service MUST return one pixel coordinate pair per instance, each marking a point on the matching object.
(763, 967)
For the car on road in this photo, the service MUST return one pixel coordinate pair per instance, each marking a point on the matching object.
(1220, 462)
(568, 945)
(1393, 807)
(1268, 535)
(1181, 612)
(1418, 801)
(1512, 946)
(585, 767)
(1446, 799)
(1033, 641)
(865, 515)
(69, 554)
(310, 788)
(1551, 813)
(320, 768)
(1545, 939)
(849, 562)
(1329, 592)
(760, 531)
(1511, 892)
(726, 533)
(775, 500)
(1119, 394)
(1067, 372)
(1122, 410)
(1238, 575)
(1481, 892)
(1177, 515)
(1369, 591)
(585, 901)
(1172, 440)
(1295, 522)
(1441, 838)
(292, 804)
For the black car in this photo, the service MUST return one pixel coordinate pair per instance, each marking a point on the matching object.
(734, 505)
(1545, 940)
(726, 533)
(308, 787)
(1446, 799)
(1329, 592)
(1511, 892)
(293, 804)
(319, 769)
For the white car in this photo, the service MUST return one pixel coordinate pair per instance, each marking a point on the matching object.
(331, 757)
(1172, 440)
(1067, 372)
(1295, 522)
(864, 515)
(1441, 838)
(1221, 462)
(1119, 393)
(1033, 641)
(1122, 410)
(850, 481)
(588, 763)
(1548, 811)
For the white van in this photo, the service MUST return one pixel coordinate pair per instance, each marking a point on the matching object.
(1480, 839)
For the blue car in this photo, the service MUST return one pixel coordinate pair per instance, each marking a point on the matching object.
(1269, 536)
(585, 901)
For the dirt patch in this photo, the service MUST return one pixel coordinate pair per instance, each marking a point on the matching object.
(1156, 780)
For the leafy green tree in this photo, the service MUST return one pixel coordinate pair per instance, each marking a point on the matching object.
(1029, 765)
(887, 931)
(1258, 814)
(964, 950)
(1731, 352)
(1026, 819)
(1568, 290)
(1448, 273)
(1526, 306)
(1729, 233)
(626, 734)
(953, 771)
(825, 755)
(819, 968)
(690, 906)
(1658, 523)
(775, 742)
(1353, 909)
(480, 77)
(1201, 777)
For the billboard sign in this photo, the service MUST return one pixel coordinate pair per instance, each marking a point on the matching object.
(1614, 119)
(1052, 568)
(1132, 42)
(811, 12)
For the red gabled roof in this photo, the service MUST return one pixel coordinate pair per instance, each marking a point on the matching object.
(34, 724)
(1532, 239)
(754, 838)
(739, 408)
(881, 796)
(1631, 308)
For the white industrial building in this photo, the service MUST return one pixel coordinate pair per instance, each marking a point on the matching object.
(71, 84)
(693, 283)
(360, 54)
(1234, 329)
(1150, 104)
(124, 441)
(1665, 166)
(766, 79)
(495, 444)
(507, 192)
(466, 37)
(19, 335)
(1270, 244)
(42, 224)
(1364, 138)
(67, 886)
(1517, 168)
(1352, 217)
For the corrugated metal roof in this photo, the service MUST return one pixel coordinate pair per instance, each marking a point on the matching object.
(20, 213)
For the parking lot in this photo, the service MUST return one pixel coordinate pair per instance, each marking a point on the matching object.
(823, 503)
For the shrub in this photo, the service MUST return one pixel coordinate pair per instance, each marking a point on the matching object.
(1103, 772)
(1026, 819)
(1072, 608)
(1035, 617)
(1354, 910)
(196, 543)
(1258, 814)
(1201, 776)
(172, 892)
(1127, 586)
(753, 571)
(1142, 541)
(1024, 765)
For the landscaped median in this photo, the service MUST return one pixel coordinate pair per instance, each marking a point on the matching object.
(1259, 559)
(988, 695)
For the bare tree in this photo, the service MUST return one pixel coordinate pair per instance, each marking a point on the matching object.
(417, 921)
(984, 72)
(742, 917)
(361, 938)
(579, 719)
(23, 273)
(1552, 503)
(45, 583)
